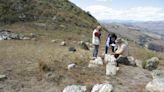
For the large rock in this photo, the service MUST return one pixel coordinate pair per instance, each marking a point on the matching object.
(156, 85)
(102, 88)
(111, 68)
(75, 88)
(158, 74)
(95, 63)
(152, 64)
(84, 46)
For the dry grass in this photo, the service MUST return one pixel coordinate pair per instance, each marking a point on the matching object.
(42, 61)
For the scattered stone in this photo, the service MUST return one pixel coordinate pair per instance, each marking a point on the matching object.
(71, 66)
(102, 88)
(63, 43)
(72, 49)
(158, 74)
(152, 64)
(53, 41)
(131, 60)
(75, 88)
(84, 46)
(156, 85)
(2, 77)
(26, 38)
(32, 35)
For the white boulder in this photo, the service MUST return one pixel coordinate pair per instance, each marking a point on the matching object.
(75, 88)
(63, 43)
(111, 68)
(102, 88)
(71, 66)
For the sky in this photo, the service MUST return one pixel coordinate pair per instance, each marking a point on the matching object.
(138, 10)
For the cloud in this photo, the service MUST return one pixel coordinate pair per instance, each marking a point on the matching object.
(104, 0)
(137, 13)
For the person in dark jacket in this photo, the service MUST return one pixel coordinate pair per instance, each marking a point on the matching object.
(110, 42)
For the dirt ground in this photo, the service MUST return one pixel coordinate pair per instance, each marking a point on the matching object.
(41, 66)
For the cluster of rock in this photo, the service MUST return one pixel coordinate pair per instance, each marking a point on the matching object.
(157, 84)
(9, 35)
(106, 87)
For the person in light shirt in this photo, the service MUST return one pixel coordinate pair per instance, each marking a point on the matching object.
(96, 40)
(122, 52)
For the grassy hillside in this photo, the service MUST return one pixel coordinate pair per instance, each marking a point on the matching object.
(57, 13)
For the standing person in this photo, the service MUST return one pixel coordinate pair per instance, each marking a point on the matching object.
(122, 52)
(96, 40)
(110, 43)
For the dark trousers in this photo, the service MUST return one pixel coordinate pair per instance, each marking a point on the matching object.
(95, 51)
(106, 49)
(121, 60)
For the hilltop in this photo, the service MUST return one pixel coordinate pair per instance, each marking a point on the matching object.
(54, 14)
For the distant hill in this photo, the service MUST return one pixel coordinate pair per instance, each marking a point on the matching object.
(156, 27)
(138, 35)
(57, 13)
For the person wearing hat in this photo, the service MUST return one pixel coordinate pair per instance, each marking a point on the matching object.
(96, 40)
(122, 52)
(110, 42)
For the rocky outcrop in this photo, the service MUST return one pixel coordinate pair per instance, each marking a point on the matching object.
(75, 88)
(8, 35)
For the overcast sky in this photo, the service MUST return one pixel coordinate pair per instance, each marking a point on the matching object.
(140, 10)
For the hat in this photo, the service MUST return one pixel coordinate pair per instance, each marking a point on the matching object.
(119, 40)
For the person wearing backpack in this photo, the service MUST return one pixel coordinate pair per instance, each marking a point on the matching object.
(110, 43)
(96, 40)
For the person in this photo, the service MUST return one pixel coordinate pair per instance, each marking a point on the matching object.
(110, 42)
(96, 40)
(122, 52)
